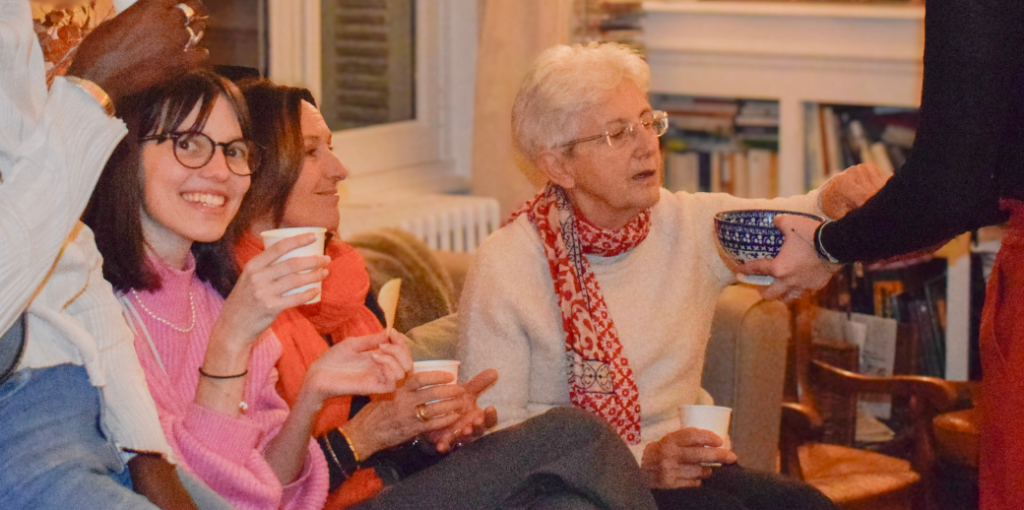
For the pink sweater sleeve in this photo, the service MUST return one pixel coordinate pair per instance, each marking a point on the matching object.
(228, 453)
(224, 452)
(309, 490)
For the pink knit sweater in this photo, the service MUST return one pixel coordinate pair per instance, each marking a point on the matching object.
(226, 453)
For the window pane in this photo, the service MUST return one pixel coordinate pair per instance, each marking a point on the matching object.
(368, 66)
(236, 34)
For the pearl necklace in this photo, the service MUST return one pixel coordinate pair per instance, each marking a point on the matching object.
(191, 304)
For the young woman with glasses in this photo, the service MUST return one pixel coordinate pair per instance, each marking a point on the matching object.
(159, 211)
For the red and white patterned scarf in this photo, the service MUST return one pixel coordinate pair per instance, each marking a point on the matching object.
(600, 380)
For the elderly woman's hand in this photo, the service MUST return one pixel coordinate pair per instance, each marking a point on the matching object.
(413, 409)
(850, 189)
(474, 421)
(675, 461)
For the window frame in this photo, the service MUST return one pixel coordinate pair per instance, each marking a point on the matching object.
(436, 146)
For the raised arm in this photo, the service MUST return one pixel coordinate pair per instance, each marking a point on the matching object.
(54, 143)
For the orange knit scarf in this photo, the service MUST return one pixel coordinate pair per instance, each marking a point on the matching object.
(341, 313)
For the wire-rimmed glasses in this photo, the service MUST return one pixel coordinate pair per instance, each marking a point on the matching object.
(194, 150)
(657, 126)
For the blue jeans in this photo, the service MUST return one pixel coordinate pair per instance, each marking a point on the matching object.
(53, 452)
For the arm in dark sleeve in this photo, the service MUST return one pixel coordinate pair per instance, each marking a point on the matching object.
(970, 106)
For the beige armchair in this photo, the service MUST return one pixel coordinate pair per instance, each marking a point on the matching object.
(744, 369)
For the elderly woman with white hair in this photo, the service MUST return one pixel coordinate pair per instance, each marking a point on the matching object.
(607, 272)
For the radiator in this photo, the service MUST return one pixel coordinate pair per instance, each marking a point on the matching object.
(444, 222)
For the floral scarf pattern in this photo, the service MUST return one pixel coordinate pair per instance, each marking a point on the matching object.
(600, 379)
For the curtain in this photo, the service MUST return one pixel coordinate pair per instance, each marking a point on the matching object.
(512, 34)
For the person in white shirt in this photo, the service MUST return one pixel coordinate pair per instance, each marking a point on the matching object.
(600, 294)
(77, 405)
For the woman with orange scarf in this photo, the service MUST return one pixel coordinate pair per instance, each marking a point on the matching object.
(297, 186)
(341, 313)
(370, 445)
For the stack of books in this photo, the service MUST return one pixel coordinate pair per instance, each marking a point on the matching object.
(912, 292)
(842, 136)
(609, 21)
(720, 145)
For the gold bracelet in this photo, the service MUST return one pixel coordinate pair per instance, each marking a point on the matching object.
(95, 91)
(351, 445)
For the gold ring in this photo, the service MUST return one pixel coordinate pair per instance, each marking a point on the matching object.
(419, 413)
(187, 11)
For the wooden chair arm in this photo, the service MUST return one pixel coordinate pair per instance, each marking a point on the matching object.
(940, 395)
(802, 421)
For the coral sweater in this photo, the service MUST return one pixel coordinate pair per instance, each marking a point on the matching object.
(226, 453)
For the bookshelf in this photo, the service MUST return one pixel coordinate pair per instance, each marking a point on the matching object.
(801, 55)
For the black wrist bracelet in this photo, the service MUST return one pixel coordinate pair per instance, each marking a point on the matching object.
(211, 376)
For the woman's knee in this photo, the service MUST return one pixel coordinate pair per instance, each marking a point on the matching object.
(563, 501)
(562, 419)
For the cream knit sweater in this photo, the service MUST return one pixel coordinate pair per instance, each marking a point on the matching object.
(661, 296)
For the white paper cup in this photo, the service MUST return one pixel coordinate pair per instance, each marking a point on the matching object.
(713, 418)
(273, 236)
(441, 365)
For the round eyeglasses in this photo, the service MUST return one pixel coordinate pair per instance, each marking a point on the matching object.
(657, 126)
(194, 150)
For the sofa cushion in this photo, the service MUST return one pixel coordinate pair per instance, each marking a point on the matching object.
(427, 290)
(435, 339)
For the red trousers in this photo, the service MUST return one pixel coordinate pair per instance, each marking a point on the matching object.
(1001, 402)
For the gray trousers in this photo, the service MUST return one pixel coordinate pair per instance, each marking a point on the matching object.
(564, 459)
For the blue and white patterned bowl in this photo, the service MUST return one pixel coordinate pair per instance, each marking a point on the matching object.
(751, 235)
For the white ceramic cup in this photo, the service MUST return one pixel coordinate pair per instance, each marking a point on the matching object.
(713, 418)
(273, 236)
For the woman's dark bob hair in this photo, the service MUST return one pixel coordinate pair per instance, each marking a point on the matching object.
(277, 127)
(115, 210)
